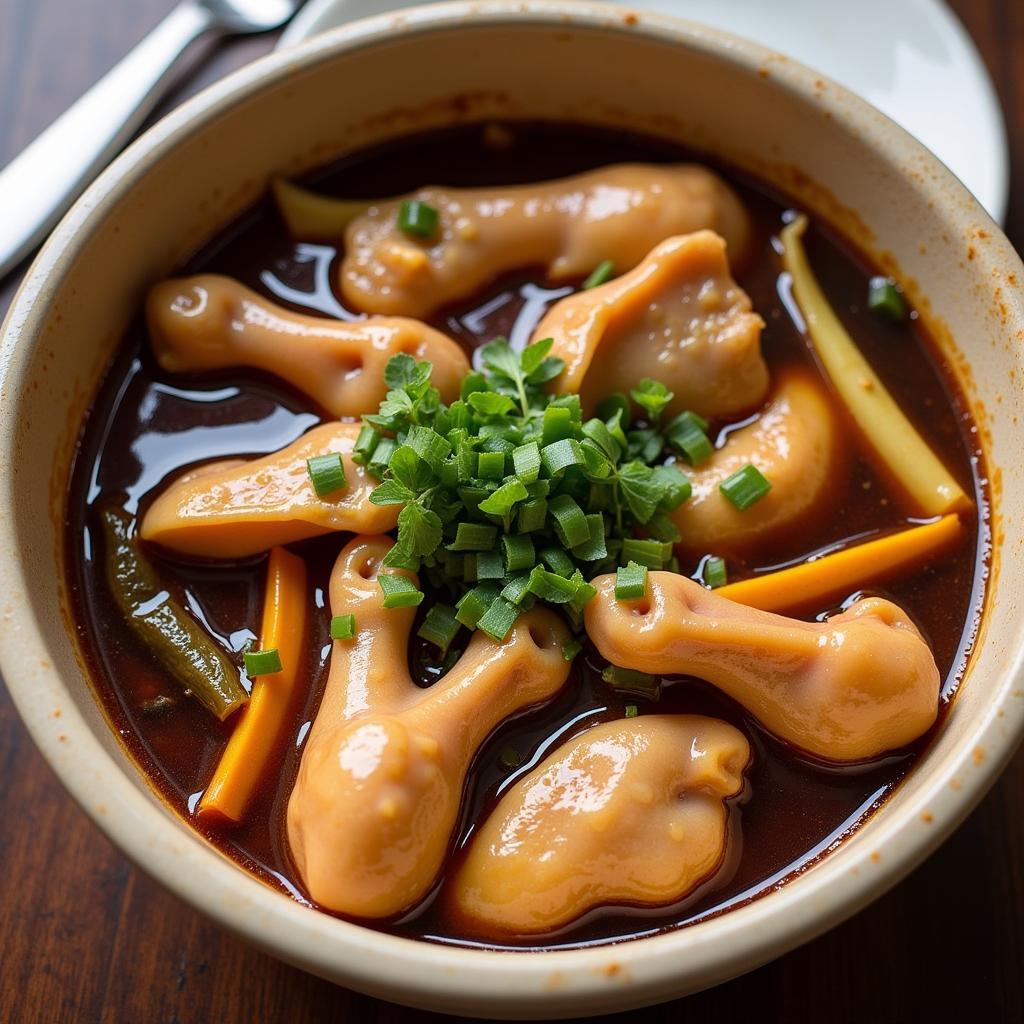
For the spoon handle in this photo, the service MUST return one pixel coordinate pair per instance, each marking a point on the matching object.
(45, 178)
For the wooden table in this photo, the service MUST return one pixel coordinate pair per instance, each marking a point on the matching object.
(87, 937)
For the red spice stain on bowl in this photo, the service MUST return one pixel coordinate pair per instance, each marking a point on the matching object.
(875, 857)
(927, 817)
(978, 755)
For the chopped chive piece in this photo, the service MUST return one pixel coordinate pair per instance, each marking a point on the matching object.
(687, 432)
(571, 649)
(474, 537)
(491, 466)
(556, 425)
(745, 487)
(262, 663)
(472, 605)
(498, 619)
(632, 711)
(885, 297)
(327, 472)
(600, 274)
(551, 587)
(417, 218)
(509, 758)
(343, 627)
(429, 445)
(557, 561)
(715, 574)
(517, 588)
(399, 592)
(381, 456)
(532, 515)
(526, 462)
(365, 444)
(595, 546)
(633, 681)
(519, 552)
(598, 432)
(652, 553)
(440, 627)
(500, 502)
(676, 484)
(630, 582)
(490, 565)
(569, 521)
(465, 462)
(558, 456)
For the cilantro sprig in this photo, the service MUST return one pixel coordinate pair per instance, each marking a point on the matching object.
(509, 496)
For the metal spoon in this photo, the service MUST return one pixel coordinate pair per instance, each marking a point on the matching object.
(37, 186)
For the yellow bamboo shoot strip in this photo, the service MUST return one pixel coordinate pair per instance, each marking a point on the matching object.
(262, 723)
(890, 434)
(840, 573)
(309, 215)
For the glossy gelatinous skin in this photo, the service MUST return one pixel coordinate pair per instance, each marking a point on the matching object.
(678, 318)
(794, 443)
(209, 322)
(234, 508)
(568, 226)
(848, 689)
(629, 813)
(379, 787)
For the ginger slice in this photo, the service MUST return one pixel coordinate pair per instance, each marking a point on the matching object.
(848, 689)
(210, 322)
(568, 226)
(630, 812)
(794, 444)
(234, 508)
(678, 318)
(380, 784)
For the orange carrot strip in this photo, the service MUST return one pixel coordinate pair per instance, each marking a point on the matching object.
(261, 723)
(844, 571)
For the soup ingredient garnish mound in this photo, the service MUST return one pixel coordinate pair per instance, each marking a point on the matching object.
(509, 496)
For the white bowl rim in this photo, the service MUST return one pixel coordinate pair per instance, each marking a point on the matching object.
(399, 968)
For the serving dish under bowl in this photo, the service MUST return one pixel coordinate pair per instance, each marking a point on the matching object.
(372, 81)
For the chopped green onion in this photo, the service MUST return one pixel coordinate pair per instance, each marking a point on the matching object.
(491, 466)
(327, 472)
(630, 582)
(526, 462)
(509, 758)
(517, 588)
(343, 627)
(472, 605)
(417, 218)
(571, 649)
(474, 537)
(498, 619)
(688, 433)
(556, 424)
(500, 502)
(557, 561)
(569, 520)
(490, 565)
(560, 455)
(429, 445)
(885, 297)
(532, 515)
(440, 627)
(633, 681)
(632, 711)
(595, 546)
(745, 487)
(381, 456)
(652, 553)
(365, 444)
(551, 587)
(599, 275)
(519, 552)
(399, 592)
(262, 663)
(715, 574)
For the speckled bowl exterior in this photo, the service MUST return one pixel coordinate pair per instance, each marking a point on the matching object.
(373, 80)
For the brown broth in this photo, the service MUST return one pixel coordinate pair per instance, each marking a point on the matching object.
(145, 427)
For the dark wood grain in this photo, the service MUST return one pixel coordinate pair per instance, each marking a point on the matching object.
(86, 937)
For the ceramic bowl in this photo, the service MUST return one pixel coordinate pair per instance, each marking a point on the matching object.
(373, 80)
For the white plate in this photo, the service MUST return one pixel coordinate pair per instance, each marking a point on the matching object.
(911, 58)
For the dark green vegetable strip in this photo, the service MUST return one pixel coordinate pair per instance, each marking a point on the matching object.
(177, 640)
(262, 663)
(417, 218)
(399, 592)
(600, 274)
(745, 487)
(440, 627)
(343, 627)
(633, 681)
(884, 297)
(714, 572)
